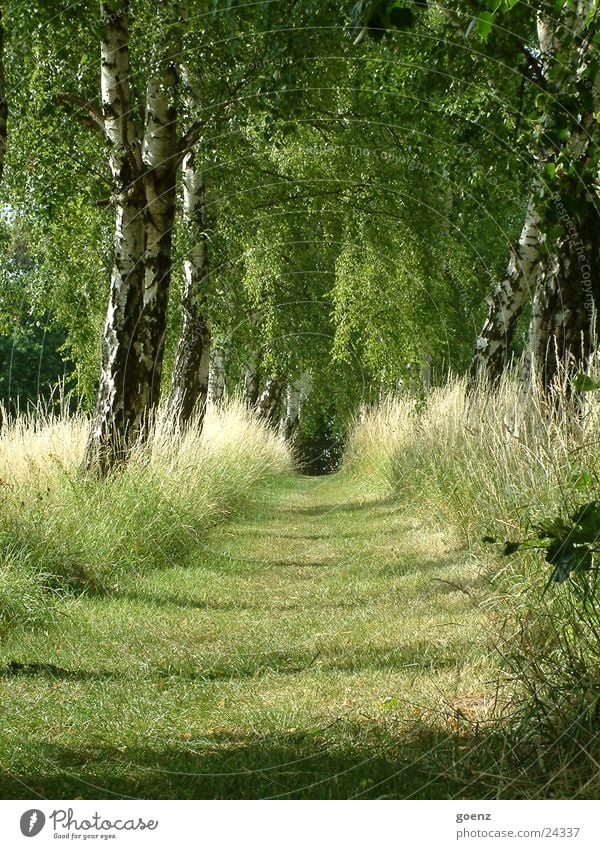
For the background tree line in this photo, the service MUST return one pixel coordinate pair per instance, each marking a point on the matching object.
(309, 204)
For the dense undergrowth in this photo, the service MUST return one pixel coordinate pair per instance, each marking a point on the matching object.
(502, 466)
(63, 533)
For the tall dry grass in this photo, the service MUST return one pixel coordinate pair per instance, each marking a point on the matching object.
(62, 532)
(487, 462)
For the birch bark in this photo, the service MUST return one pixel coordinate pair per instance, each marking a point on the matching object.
(160, 155)
(563, 330)
(189, 380)
(296, 394)
(3, 101)
(120, 417)
(216, 373)
(560, 272)
(507, 301)
(144, 169)
(269, 400)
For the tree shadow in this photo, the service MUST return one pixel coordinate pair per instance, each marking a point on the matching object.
(398, 761)
(169, 601)
(49, 670)
(347, 507)
(353, 535)
(413, 656)
(318, 764)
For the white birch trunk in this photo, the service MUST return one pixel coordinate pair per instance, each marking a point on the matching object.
(269, 400)
(121, 408)
(507, 301)
(3, 102)
(296, 394)
(160, 156)
(189, 380)
(563, 328)
(216, 377)
(251, 388)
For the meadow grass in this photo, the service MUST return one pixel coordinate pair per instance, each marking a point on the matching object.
(497, 465)
(338, 637)
(62, 531)
(321, 645)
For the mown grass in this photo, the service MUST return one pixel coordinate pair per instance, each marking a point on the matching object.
(323, 645)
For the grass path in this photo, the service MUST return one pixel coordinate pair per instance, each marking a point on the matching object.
(323, 644)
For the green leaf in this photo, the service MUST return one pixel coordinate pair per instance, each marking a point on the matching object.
(585, 562)
(582, 482)
(485, 22)
(564, 557)
(586, 520)
(534, 543)
(585, 512)
(583, 383)
(402, 17)
(554, 528)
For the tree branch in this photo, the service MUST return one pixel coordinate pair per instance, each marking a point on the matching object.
(92, 116)
(536, 67)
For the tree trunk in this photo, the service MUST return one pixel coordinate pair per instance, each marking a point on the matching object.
(3, 102)
(160, 155)
(189, 380)
(507, 301)
(252, 379)
(269, 401)
(216, 375)
(563, 331)
(3, 134)
(296, 394)
(121, 409)
(144, 173)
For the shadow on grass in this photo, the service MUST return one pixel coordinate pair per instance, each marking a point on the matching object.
(334, 535)
(347, 507)
(416, 656)
(50, 670)
(341, 761)
(301, 766)
(170, 601)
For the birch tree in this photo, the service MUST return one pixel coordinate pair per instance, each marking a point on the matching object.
(122, 406)
(161, 160)
(3, 100)
(3, 125)
(143, 165)
(507, 301)
(189, 379)
(555, 261)
(563, 332)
